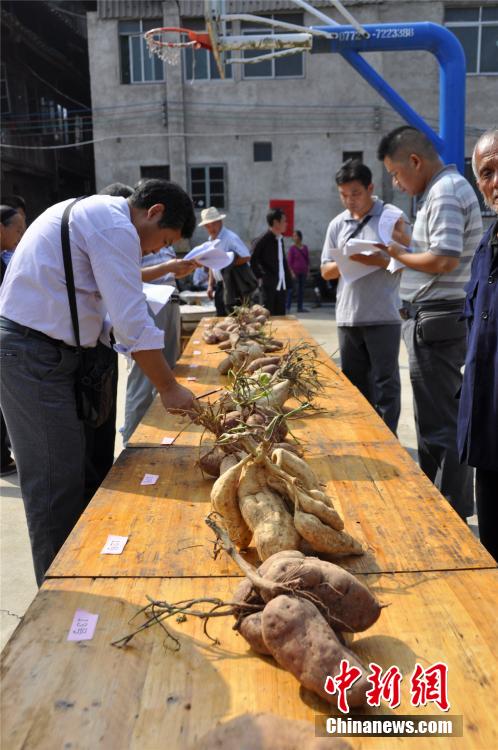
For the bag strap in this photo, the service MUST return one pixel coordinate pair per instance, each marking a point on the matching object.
(68, 270)
(360, 226)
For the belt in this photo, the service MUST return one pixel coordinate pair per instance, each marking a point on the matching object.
(409, 310)
(31, 333)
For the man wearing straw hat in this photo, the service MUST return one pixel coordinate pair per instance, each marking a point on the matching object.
(226, 287)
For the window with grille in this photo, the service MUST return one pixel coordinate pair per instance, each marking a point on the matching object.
(262, 151)
(137, 65)
(289, 66)
(208, 186)
(477, 30)
(159, 171)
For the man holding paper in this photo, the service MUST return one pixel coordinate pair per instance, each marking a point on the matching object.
(224, 286)
(447, 230)
(367, 311)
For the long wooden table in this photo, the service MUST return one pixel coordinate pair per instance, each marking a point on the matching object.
(58, 694)
(422, 560)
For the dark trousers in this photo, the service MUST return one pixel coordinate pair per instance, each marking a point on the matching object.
(5, 457)
(274, 300)
(48, 439)
(487, 509)
(219, 302)
(369, 359)
(435, 374)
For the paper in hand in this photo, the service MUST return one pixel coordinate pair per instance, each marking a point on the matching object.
(211, 255)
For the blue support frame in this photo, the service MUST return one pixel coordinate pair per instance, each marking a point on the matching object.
(450, 142)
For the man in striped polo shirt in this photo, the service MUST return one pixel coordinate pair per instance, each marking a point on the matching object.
(446, 232)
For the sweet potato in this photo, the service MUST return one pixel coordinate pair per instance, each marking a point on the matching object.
(224, 501)
(296, 467)
(348, 604)
(210, 461)
(306, 502)
(265, 514)
(228, 462)
(275, 396)
(224, 346)
(302, 641)
(323, 538)
(266, 732)
(256, 364)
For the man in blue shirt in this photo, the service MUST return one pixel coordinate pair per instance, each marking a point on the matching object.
(478, 413)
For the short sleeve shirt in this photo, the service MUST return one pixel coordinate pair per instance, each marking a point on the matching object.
(449, 223)
(372, 299)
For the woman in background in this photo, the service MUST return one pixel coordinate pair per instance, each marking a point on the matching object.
(299, 263)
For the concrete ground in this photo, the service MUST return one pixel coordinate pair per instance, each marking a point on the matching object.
(17, 581)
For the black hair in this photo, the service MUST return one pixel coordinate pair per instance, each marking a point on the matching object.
(7, 213)
(15, 201)
(299, 234)
(275, 214)
(354, 170)
(118, 189)
(403, 141)
(179, 210)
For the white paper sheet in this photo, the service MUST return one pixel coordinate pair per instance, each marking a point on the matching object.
(157, 295)
(211, 255)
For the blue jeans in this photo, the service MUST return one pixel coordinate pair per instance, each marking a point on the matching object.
(48, 440)
(300, 278)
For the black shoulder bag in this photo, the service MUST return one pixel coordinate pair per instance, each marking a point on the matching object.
(97, 364)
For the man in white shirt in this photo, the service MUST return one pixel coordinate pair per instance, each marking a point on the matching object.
(212, 221)
(108, 236)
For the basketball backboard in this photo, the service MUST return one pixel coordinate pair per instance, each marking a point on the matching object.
(214, 11)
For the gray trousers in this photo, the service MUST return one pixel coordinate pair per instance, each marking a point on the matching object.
(369, 359)
(48, 440)
(435, 374)
(140, 392)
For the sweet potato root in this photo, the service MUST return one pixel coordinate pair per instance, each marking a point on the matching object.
(302, 641)
(266, 732)
(224, 501)
(323, 538)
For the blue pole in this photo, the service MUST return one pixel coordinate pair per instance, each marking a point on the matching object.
(450, 142)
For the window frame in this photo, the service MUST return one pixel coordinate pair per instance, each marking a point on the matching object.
(266, 144)
(143, 49)
(478, 24)
(206, 167)
(7, 110)
(259, 29)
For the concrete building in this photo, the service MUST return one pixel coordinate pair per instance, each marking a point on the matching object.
(273, 131)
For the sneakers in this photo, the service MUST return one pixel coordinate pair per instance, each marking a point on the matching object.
(303, 310)
(8, 469)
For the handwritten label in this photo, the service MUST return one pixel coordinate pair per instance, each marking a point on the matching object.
(196, 352)
(194, 365)
(196, 341)
(191, 377)
(167, 440)
(83, 626)
(114, 545)
(150, 479)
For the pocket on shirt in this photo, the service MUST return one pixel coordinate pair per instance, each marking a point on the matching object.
(8, 357)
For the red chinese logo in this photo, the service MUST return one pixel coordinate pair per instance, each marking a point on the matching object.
(430, 686)
(342, 683)
(385, 687)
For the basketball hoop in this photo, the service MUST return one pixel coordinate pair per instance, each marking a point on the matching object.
(163, 42)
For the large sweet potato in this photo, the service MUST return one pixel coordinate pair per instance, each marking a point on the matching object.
(265, 514)
(323, 538)
(224, 501)
(348, 605)
(302, 641)
(266, 732)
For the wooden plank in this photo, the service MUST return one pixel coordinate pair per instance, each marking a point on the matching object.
(386, 503)
(57, 694)
(164, 522)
